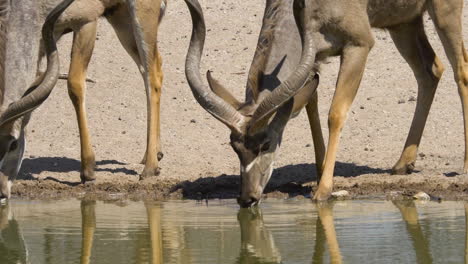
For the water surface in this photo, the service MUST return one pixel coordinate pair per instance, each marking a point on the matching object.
(281, 231)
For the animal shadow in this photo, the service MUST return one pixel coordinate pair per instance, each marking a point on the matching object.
(288, 179)
(32, 166)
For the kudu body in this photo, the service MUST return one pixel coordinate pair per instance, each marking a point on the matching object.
(280, 83)
(136, 24)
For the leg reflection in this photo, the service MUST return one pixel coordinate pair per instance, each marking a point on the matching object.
(154, 221)
(257, 243)
(88, 226)
(466, 233)
(420, 243)
(326, 233)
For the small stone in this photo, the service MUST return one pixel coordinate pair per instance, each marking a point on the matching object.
(412, 99)
(422, 196)
(366, 149)
(340, 194)
(361, 107)
(124, 132)
(308, 145)
(448, 163)
(401, 101)
(193, 121)
(422, 155)
(120, 119)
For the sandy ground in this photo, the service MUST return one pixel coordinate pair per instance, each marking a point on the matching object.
(198, 161)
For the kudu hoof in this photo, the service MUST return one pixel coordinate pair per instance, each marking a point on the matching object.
(403, 169)
(87, 176)
(147, 173)
(320, 196)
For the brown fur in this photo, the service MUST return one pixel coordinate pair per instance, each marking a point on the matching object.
(82, 18)
(344, 29)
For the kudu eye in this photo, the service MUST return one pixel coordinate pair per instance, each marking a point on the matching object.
(13, 145)
(265, 146)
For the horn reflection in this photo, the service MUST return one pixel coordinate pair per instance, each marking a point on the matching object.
(325, 232)
(257, 243)
(12, 245)
(420, 243)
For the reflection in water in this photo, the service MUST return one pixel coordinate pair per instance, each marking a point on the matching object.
(420, 243)
(88, 226)
(153, 238)
(325, 233)
(466, 233)
(186, 232)
(154, 220)
(12, 247)
(257, 243)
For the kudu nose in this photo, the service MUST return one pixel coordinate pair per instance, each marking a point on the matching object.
(3, 198)
(246, 203)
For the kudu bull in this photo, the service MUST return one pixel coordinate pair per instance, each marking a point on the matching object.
(136, 24)
(280, 83)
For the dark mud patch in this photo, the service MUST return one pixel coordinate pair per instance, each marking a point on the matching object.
(377, 186)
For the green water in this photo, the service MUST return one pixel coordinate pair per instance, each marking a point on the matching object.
(281, 231)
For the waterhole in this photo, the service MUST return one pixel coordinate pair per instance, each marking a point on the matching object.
(279, 231)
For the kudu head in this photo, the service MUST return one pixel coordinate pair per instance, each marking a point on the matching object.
(257, 124)
(18, 55)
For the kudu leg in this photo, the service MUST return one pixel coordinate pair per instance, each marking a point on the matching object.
(353, 62)
(317, 136)
(447, 17)
(412, 43)
(82, 49)
(120, 20)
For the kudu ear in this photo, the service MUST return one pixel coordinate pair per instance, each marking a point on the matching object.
(283, 114)
(222, 92)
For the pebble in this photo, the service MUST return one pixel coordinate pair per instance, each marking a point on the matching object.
(401, 101)
(340, 194)
(422, 196)
(412, 99)
(308, 145)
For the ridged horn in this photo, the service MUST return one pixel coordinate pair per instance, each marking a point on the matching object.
(300, 75)
(212, 103)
